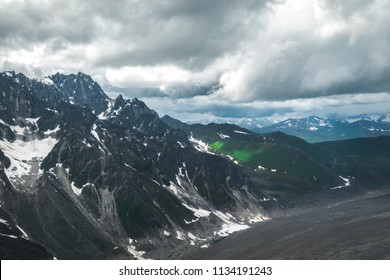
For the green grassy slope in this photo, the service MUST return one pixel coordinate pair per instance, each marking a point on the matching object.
(286, 165)
(284, 161)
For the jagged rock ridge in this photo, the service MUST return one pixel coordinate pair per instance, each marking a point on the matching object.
(91, 177)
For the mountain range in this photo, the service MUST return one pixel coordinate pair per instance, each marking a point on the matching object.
(85, 176)
(328, 128)
(287, 165)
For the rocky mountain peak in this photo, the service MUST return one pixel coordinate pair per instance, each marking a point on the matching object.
(108, 177)
(79, 89)
(119, 103)
(16, 101)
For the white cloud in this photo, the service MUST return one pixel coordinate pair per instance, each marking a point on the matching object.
(143, 76)
(308, 48)
(211, 109)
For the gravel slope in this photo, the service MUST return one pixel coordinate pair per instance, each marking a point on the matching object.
(352, 230)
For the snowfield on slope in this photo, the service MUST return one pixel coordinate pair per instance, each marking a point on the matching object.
(23, 154)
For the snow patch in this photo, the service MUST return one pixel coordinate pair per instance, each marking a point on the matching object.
(88, 184)
(10, 236)
(154, 181)
(230, 157)
(200, 145)
(33, 120)
(18, 130)
(96, 135)
(194, 237)
(51, 110)
(24, 154)
(75, 189)
(47, 81)
(3, 122)
(347, 183)
(223, 136)
(197, 212)
(353, 119)
(258, 218)
(86, 143)
(322, 123)
(179, 235)
(191, 222)
(179, 182)
(228, 227)
(241, 132)
(181, 144)
(174, 189)
(23, 232)
(132, 250)
(102, 116)
(51, 131)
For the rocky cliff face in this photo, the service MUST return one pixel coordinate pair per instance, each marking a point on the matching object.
(77, 89)
(91, 177)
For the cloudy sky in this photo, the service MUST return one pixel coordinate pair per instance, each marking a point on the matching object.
(203, 60)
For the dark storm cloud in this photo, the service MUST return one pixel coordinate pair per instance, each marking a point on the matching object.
(254, 50)
(188, 34)
(232, 110)
(318, 48)
(191, 34)
(347, 8)
(29, 22)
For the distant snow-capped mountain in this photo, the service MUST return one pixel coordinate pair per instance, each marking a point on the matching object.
(332, 127)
